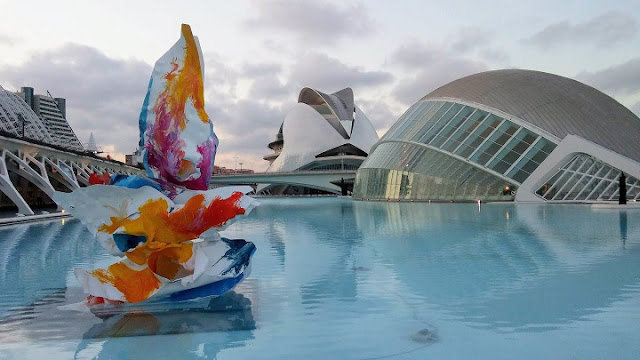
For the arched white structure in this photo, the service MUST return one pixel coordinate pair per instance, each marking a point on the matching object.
(320, 122)
(322, 132)
(38, 164)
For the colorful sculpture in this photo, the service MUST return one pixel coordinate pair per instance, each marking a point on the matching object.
(166, 224)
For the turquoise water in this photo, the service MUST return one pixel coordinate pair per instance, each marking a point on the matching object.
(339, 279)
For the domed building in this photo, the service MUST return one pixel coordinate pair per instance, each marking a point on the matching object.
(507, 135)
(321, 132)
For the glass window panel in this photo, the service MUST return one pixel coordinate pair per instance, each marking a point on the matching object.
(604, 170)
(587, 188)
(425, 117)
(560, 178)
(613, 174)
(465, 130)
(609, 191)
(586, 165)
(501, 166)
(453, 110)
(534, 157)
(441, 111)
(452, 126)
(576, 163)
(633, 191)
(494, 143)
(561, 185)
(547, 146)
(479, 135)
(548, 189)
(412, 120)
(520, 175)
(403, 121)
(421, 116)
(599, 186)
(398, 124)
(580, 181)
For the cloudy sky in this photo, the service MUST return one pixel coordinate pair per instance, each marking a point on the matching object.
(259, 54)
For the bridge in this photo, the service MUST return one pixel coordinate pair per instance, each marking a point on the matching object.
(40, 163)
(327, 180)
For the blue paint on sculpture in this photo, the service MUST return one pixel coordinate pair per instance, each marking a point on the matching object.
(165, 224)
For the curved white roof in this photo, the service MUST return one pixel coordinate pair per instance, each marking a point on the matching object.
(321, 122)
(558, 105)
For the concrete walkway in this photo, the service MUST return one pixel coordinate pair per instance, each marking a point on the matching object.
(32, 218)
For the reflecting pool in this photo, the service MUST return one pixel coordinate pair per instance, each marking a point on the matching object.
(336, 279)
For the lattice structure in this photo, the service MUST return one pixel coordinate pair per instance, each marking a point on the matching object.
(52, 112)
(17, 118)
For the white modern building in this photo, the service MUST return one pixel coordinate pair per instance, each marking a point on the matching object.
(321, 132)
(53, 113)
(18, 119)
(507, 135)
(40, 153)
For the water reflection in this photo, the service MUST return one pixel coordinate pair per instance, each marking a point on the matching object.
(623, 227)
(335, 278)
(539, 267)
(37, 257)
(228, 319)
(230, 312)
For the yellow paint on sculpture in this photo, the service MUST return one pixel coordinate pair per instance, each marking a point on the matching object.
(157, 224)
(185, 84)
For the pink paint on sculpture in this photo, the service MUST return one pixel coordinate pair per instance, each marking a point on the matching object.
(176, 135)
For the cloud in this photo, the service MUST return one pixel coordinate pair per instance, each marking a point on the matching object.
(327, 74)
(431, 65)
(311, 21)
(415, 54)
(470, 38)
(603, 31)
(6, 40)
(379, 113)
(266, 84)
(104, 95)
(220, 80)
(619, 79)
(495, 56)
(430, 78)
(245, 128)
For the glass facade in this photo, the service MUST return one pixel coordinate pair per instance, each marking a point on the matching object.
(503, 152)
(408, 171)
(585, 178)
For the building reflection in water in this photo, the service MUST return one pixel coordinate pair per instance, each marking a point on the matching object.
(539, 267)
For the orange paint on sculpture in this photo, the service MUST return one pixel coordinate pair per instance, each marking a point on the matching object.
(134, 285)
(168, 244)
(187, 223)
(168, 262)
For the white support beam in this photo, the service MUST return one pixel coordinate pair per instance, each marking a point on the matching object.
(7, 188)
(23, 169)
(63, 174)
